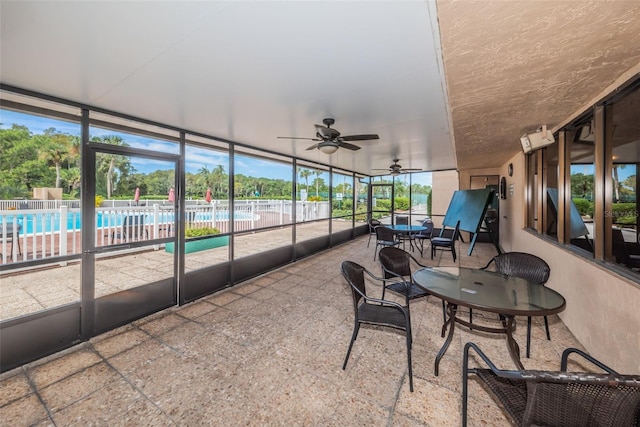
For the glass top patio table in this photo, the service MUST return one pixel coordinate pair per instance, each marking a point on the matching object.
(488, 291)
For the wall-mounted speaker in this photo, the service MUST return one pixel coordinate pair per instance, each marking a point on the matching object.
(536, 140)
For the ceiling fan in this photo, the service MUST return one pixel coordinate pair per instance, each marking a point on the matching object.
(395, 169)
(330, 139)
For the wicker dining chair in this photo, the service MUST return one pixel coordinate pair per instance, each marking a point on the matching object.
(560, 398)
(525, 266)
(374, 311)
(373, 224)
(396, 270)
(385, 237)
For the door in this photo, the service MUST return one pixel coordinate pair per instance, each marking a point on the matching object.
(382, 202)
(127, 273)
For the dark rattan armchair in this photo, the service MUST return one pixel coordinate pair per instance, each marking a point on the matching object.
(373, 224)
(423, 235)
(563, 399)
(373, 311)
(525, 266)
(385, 237)
(396, 267)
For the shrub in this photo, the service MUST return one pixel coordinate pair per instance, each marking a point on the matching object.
(99, 200)
(584, 206)
(200, 231)
(402, 203)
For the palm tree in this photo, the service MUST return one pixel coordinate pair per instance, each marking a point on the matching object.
(317, 174)
(108, 163)
(305, 174)
(57, 150)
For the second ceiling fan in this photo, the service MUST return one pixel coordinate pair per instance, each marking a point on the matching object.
(330, 138)
(396, 169)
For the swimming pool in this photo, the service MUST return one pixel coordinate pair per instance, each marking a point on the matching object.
(50, 221)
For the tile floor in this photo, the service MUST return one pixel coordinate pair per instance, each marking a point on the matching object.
(269, 352)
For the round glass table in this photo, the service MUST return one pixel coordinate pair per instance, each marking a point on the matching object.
(488, 291)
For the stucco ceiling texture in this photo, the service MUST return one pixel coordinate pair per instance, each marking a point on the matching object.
(512, 66)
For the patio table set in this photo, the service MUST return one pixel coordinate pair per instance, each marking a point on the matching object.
(515, 288)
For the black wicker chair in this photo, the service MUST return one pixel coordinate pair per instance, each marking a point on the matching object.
(525, 266)
(446, 243)
(385, 237)
(373, 224)
(563, 399)
(373, 311)
(421, 236)
(396, 265)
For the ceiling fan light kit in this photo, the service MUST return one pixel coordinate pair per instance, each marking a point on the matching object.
(328, 147)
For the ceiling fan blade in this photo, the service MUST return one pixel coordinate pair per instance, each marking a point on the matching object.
(359, 137)
(408, 170)
(294, 137)
(379, 169)
(349, 146)
(313, 147)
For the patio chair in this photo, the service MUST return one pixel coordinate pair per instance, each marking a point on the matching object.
(404, 237)
(385, 237)
(560, 398)
(132, 229)
(621, 250)
(525, 266)
(373, 311)
(373, 223)
(396, 264)
(423, 235)
(446, 243)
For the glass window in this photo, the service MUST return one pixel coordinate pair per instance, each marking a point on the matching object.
(421, 195)
(582, 170)
(342, 202)
(40, 210)
(551, 178)
(312, 202)
(362, 198)
(622, 216)
(263, 192)
(207, 202)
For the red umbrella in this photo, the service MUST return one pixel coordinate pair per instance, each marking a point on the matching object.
(172, 195)
(208, 196)
(136, 196)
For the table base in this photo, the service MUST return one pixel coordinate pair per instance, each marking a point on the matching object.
(509, 325)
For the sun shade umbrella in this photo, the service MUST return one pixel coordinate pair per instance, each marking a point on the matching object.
(136, 196)
(207, 197)
(172, 195)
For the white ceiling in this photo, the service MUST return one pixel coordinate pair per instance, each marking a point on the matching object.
(252, 71)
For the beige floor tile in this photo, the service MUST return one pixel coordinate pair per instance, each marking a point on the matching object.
(23, 412)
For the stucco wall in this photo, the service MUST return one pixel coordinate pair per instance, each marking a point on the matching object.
(443, 183)
(603, 308)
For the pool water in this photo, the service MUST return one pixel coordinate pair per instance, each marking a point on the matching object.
(51, 221)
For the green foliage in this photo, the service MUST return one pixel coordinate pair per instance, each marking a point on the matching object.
(383, 205)
(346, 204)
(200, 232)
(402, 203)
(625, 213)
(585, 207)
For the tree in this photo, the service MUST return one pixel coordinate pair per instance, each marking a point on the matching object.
(305, 174)
(110, 164)
(56, 149)
(317, 174)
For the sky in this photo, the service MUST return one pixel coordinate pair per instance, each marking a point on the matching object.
(197, 157)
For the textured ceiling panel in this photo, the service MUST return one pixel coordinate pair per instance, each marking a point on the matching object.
(514, 66)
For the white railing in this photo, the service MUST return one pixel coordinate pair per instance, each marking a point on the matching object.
(38, 233)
